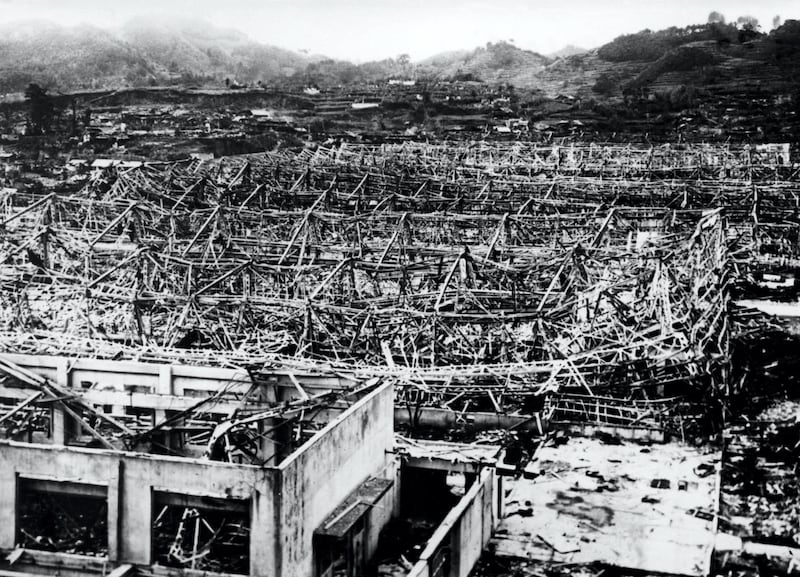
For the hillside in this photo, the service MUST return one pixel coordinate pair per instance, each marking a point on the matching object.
(567, 51)
(195, 49)
(66, 58)
(142, 53)
(700, 56)
(146, 53)
(499, 62)
(708, 56)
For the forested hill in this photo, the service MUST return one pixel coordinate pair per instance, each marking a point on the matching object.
(143, 53)
(146, 53)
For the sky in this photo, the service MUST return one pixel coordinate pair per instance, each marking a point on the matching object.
(363, 30)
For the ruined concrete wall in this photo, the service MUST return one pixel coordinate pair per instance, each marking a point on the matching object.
(386, 508)
(166, 379)
(465, 530)
(131, 479)
(475, 526)
(107, 375)
(316, 478)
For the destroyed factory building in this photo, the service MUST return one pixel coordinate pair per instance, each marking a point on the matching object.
(408, 359)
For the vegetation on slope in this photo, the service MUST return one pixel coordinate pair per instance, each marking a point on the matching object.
(143, 54)
(648, 46)
(147, 53)
(66, 57)
(496, 62)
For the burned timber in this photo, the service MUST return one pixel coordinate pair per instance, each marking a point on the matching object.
(406, 358)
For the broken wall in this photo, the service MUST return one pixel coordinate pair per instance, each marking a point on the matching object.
(116, 375)
(317, 477)
(131, 480)
(459, 541)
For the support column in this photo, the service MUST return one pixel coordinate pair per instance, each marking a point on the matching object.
(165, 387)
(165, 384)
(134, 516)
(265, 526)
(270, 445)
(60, 423)
(8, 505)
(114, 512)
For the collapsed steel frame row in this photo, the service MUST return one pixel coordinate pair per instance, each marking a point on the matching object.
(477, 287)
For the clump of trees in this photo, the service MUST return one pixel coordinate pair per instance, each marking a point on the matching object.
(744, 22)
(503, 54)
(329, 72)
(648, 46)
(41, 109)
(785, 44)
(748, 22)
(607, 84)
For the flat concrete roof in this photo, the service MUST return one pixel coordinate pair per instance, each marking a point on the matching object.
(624, 505)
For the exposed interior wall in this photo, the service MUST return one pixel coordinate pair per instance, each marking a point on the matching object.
(317, 477)
(287, 503)
(119, 385)
(150, 377)
(464, 532)
(140, 384)
(131, 479)
(386, 508)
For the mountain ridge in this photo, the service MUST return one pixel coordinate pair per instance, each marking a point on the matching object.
(146, 52)
(141, 53)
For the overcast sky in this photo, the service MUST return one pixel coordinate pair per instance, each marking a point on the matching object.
(362, 30)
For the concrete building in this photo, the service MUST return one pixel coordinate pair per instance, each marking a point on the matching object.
(104, 469)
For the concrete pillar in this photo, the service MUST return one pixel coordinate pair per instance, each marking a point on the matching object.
(62, 372)
(264, 527)
(60, 420)
(270, 447)
(59, 425)
(165, 383)
(135, 496)
(8, 510)
(114, 518)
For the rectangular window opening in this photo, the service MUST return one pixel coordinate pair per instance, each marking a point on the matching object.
(62, 517)
(201, 533)
(26, 420)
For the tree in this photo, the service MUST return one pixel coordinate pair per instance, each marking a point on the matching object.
(606, 84)
(776, 22)
(716, 18)
(747, 22)
(41, 109)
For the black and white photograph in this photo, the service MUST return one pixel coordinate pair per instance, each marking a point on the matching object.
(399, 288)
